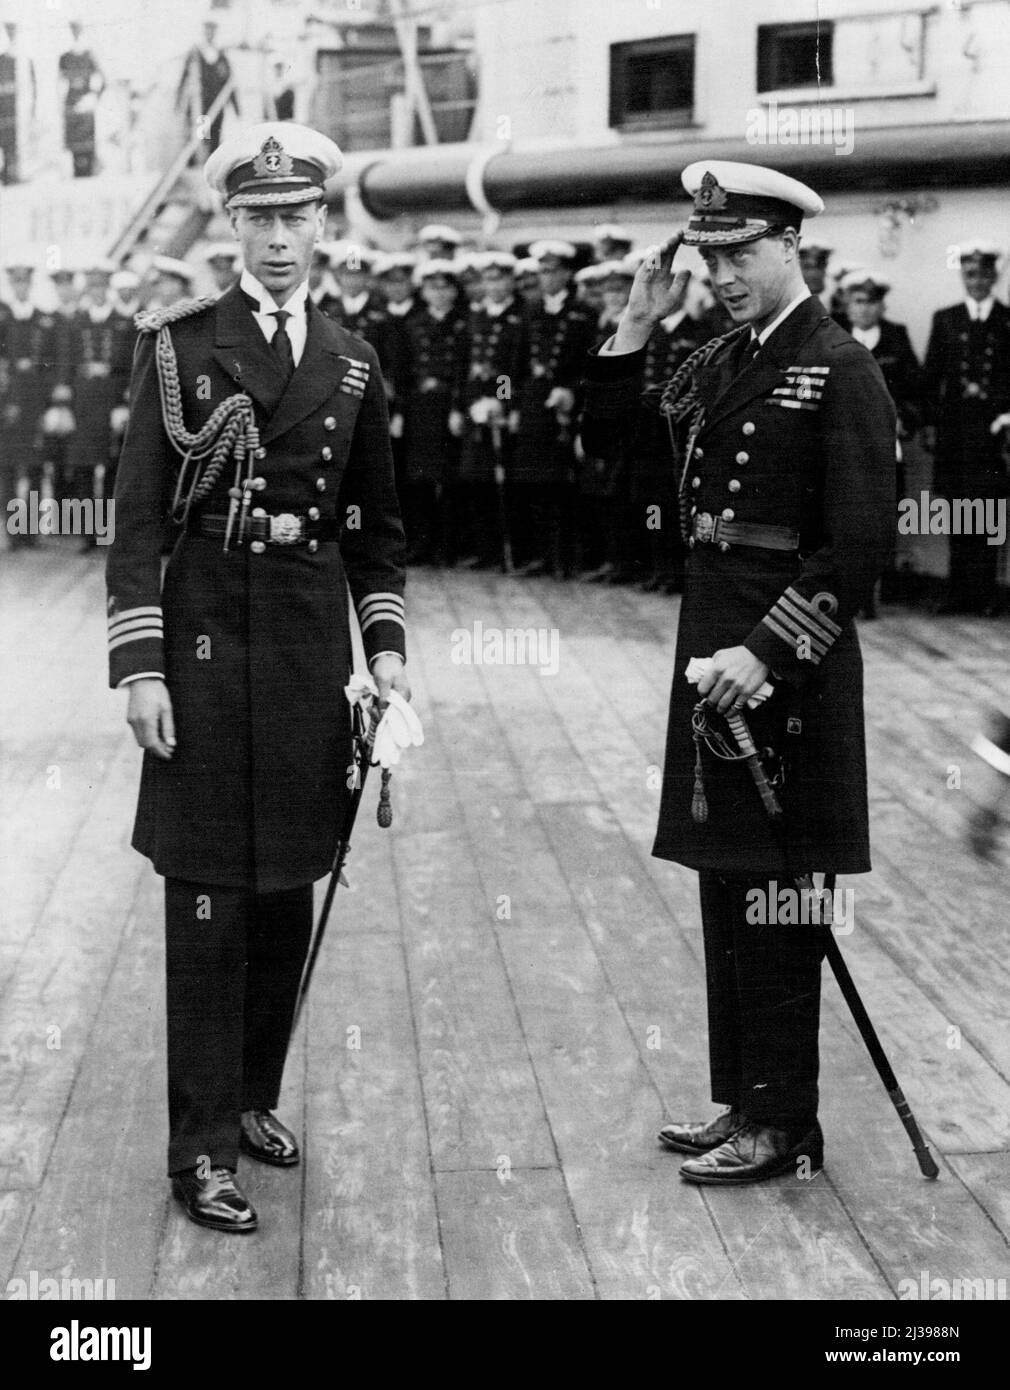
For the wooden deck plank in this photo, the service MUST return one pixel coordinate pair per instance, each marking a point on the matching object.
(511, 1236)
(370, 1227)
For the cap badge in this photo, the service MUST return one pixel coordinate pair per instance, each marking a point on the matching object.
(711, 196)
(272, 161)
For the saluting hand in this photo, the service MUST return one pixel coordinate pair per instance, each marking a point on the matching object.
(149, 715)
(389, 674)
(656, 291)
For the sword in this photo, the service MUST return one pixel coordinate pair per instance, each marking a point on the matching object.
(499, 479)
(804, 882)
(364, 741)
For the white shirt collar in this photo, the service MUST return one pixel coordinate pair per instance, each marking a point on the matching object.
(554, 303)
(766, 333)
(354, 303)
(98, 313)
(21, 309)
(495, 311)
(439, 317)
(297, 325)
(980, 309)
(401, 309)
(869, 337)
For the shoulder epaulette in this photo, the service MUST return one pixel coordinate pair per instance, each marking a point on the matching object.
(151, 320)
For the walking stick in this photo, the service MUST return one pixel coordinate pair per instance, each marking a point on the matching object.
(499, 479)
(364, 741)
(805, 884)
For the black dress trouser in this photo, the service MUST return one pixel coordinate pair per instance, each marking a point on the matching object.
(764, 994)
(234, 960)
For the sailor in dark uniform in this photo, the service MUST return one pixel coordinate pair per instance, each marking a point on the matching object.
(236, 665)
(528, 282)
(542, 487)
(785, 435)
(24, 332)
(966, 390)
(102, 352)
(864, 293)
(437, 356)
(496, 361)
(394, 280)
(607, 551)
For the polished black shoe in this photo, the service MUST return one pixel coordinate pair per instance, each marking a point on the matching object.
(215, 1201)
(699, 1138)
(756, 1152)
(264, 1137)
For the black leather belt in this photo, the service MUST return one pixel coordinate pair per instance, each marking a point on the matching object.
(284, 528)
(707, 529)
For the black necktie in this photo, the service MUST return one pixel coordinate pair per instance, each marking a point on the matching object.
(281, 343)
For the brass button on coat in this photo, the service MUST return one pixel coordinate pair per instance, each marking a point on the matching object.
(320, 484)
(257, 547)
(734, 484)
(743, 457)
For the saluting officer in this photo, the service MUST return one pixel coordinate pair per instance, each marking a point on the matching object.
(236, 666)
(966, 387)
(786, 433)
(496, 362)
(437, 356)
(559, 332)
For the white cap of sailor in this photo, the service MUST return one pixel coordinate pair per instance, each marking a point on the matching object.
(554, 249)
(868, 281)
(735, 203)
(440, 233)
(986, 253)
(438, 266)
(221, 251)
(168, 265)
(272, 164)
(393, 262)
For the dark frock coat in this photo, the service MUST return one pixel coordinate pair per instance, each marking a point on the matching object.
(496, 362)
(556, 345)
(257, 647)
(437, 352)
(803, 437)
(966, 383)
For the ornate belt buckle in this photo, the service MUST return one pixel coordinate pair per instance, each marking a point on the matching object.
(285, 529)
(704, 527)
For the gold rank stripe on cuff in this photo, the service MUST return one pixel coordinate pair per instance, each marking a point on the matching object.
(380, 607)
(135, 625)
(795, 620)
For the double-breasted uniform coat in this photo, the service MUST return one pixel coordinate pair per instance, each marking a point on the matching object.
(801, 438)
(255, 645)
(497, 361)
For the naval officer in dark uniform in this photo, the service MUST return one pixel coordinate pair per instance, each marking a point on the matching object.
(967, 394)
(236, 664)
(786, 436)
